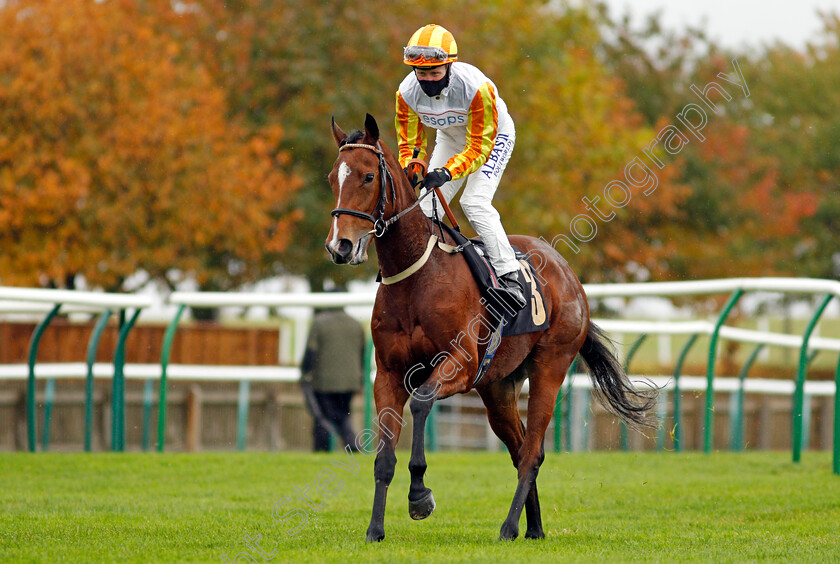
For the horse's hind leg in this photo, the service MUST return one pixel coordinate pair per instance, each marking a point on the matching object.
(545, 381)
(500, 398)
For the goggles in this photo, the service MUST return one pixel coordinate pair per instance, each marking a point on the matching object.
(422, 53)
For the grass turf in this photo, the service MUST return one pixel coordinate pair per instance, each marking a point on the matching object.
(596, 507)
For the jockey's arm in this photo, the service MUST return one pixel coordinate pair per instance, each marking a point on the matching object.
(410, 132)
(482, 126)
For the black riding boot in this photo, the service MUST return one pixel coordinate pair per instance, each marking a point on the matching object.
(511, 285)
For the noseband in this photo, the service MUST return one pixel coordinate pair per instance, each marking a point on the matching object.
(377, 218)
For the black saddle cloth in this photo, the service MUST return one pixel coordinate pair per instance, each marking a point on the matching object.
(533, 317)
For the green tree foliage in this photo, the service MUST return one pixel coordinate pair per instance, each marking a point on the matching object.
(577, 130)
(763, 196)
(796, 121)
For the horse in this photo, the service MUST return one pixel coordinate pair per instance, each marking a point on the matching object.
(429, 332)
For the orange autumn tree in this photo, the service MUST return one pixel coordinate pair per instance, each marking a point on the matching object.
(116, 155)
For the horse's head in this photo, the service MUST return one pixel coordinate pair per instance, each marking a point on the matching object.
(363, 188)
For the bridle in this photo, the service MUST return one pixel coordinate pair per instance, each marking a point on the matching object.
(377, 218)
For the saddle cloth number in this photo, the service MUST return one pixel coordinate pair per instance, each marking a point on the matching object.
(537, 305)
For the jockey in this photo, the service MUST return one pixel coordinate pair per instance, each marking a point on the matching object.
(474, 139)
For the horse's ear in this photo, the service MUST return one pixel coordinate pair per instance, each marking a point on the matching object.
(338, 134)
(371, 127)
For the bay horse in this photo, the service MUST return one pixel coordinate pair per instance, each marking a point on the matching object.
(429, 333)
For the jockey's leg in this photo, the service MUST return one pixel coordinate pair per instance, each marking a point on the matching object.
(477, 206)
(477, 203)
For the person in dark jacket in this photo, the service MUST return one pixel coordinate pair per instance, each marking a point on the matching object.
(331, 372)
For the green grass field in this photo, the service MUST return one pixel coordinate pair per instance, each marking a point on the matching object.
(597, 507)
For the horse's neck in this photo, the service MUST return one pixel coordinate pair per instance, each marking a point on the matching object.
(404, 243)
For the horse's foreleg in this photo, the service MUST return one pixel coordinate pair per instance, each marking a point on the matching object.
(389, 407)
(421, 503)
(383, 473)
(441, 384)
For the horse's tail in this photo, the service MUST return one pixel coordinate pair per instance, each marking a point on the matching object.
(612, 386)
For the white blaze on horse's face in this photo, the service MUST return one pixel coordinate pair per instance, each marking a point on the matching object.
(343, 173)
(349, 236)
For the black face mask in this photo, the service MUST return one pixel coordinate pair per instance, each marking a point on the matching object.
(434, 87)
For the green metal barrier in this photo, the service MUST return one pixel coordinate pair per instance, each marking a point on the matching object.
(806, 409)
(585, 399)
(243, 404)
(567, 414)
(431, 428)
(93, 345)
(49, 394)
(558, 420)
(559, 415)
(166, 348)
(836, 450)
(367, 386)
(678, 393)
(799, 391)
(736, 428)
(708, 430)
(634, 348)
(661, 417)
(571, 398)
(242, 413)
(31, 418)
(118, 399)
(148, 397)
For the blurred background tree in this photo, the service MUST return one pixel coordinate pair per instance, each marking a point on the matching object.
(191, 138)
(297, 64)
(117, 154)
(763, 186)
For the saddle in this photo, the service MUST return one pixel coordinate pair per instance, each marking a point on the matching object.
(516, 322)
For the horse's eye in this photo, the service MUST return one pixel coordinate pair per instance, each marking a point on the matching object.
(369, 178)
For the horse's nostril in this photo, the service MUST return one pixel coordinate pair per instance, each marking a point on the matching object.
(345, 247)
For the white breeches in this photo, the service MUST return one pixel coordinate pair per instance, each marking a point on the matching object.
(476, 201)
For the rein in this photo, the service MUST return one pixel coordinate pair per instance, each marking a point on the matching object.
(377, 218)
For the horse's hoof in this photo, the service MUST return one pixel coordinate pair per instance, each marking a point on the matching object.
(535, 534)
(509, 532)
(421, 508)
(374, 535)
